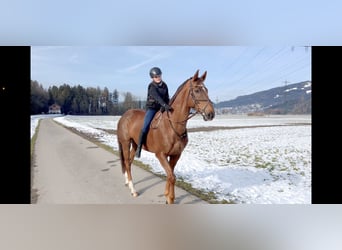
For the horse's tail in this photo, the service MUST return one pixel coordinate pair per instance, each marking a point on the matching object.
(123, 168)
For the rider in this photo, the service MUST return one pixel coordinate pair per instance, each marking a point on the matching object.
(157, 99)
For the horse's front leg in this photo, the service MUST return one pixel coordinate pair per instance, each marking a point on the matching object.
(170, 178)
(172, 162)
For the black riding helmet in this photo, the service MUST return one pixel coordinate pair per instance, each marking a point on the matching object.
(155, 71)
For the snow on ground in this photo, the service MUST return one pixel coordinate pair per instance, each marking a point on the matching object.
(260, 165)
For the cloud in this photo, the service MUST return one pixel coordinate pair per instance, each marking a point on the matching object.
(152, 56)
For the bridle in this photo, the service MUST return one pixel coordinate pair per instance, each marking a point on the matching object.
(197, 101)
(197, 108)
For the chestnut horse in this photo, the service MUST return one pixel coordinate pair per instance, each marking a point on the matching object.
(167, 136)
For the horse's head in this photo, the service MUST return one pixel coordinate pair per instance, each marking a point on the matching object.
(199, 97)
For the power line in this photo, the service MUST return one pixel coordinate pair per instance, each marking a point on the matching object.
(285, 95)
(273, 63)
(283, 68)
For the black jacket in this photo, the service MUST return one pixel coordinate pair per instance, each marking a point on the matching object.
(157, 95)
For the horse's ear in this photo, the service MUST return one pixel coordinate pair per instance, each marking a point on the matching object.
(204, 76)
(196, 75)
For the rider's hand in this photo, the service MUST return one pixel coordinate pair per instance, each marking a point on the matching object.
(167, 107)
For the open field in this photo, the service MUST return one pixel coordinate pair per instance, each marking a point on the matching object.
(242, 159)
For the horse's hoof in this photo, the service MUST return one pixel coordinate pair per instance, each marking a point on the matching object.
(135, 194)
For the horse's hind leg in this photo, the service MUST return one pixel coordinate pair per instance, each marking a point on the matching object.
(132, 151)
(128, 173)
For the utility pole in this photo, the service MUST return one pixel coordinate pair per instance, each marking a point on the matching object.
(217, 108)
(306, 48)
(89, 107)
(285, 97)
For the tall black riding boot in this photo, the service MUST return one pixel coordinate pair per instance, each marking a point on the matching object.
(142, 138)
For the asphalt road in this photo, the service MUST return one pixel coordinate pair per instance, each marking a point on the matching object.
(69, 169)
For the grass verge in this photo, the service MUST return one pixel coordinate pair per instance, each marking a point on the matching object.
(34, 193)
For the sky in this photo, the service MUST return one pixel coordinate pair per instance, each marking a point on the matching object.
(231, 70)
(224, 161)
(130, 22)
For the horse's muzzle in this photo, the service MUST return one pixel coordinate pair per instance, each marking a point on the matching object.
(208, 116)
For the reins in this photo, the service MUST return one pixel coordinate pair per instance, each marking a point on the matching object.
(170, 121)
(196, 101)
(184, 134)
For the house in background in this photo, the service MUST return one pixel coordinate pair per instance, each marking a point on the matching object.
(55, 109)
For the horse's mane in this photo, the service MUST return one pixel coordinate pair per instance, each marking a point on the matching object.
(178, 90)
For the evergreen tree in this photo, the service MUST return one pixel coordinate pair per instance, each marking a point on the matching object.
(39, 98)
